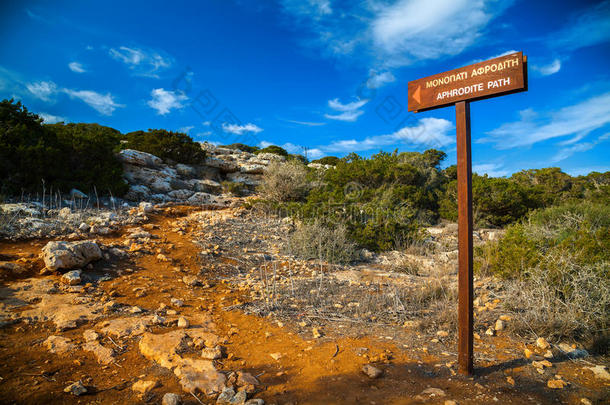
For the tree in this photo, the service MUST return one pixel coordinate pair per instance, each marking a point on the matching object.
(167, 145)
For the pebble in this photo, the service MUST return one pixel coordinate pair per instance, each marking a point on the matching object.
(556, 384)
(76, 388)
(183, 322)
(542, 343)
(499, 325)
(177, 303)
(212, 353)
(442, 333)
(316, 333)
(372, 371)
(144, 386)
(171, 399)
(275, 356)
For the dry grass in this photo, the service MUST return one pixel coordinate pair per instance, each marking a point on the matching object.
(284, 182)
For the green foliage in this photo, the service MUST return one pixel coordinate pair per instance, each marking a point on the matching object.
(327, 160)
(63, 156)
(273, 149)
(233, 188)
(168, 145)
(242, 147)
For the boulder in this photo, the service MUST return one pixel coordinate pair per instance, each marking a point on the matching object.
(135, 157)
(206, 185)
(180, 194)
(158, 181)
(185, 170)
(224, 165)
(252, 168)
(137, 192)
(70, 255)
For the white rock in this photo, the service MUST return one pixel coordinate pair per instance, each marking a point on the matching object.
(185, 170)
(70, 255)
(146, 207)
(135, 157)
(65, 212)
(76, 388)
(171, 399)
(71, 277)
(183, 322)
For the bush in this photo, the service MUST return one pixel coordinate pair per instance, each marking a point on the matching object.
(241, 146)
(327, 160)
(62, 156)
(273, 149)
(233, 188)
(284, 182)
(559, 261)
(173, 146)
(316, 241)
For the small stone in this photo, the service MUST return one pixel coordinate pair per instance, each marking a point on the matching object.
(135, 310)
(177, 303)
(76, 388)
(490, 332)
(191, 281)
(183, 322)
(586, 401)
(433, 392)
(225, 396)
(442, 333)
(275, 356)
(316, 333)
(171, 399)
(255, 401)
(71, 277)
(372, 371)
(600, 372)
(212, 353)
(528, 353)
(548, 354)
(239, 398)
(542, 343)
(556, 384)
(171, 312)
(450, 402)
(144, 386)
(510, 380)
(499, 325)
(90, 335)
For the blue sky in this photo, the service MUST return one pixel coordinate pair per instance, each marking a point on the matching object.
(322, 77)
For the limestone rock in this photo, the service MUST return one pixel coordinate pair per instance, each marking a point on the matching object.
(76, 388)
(71, 277)
(144, 386)
(372, 371)
(58, 344)
(104, 355)
(135, 157)
(542, 343)
(171, 399)
(70, 255)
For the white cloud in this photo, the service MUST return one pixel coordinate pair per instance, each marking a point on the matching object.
(307, 123)
(348, 116)
(349, 112)
(165, 100)
(240, 129)
(206, 123)
(549, 69)
(377, 80)
(492, 57)
(565, 153)
(308, 8)
(76, 67)
(413, 30)
(142, 62)
(42, 90)
(587, 28)
(429, 132)
(51, 119)
(102, 103)
(186, 129)
(578, 119)
(490, 169)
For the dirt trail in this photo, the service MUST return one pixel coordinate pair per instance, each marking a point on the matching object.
(326, 370)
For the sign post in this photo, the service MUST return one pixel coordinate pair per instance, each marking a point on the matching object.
(495, 77)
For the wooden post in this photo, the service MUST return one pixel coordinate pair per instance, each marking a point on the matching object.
(465, 284)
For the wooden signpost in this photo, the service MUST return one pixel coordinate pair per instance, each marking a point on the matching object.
(495, 77)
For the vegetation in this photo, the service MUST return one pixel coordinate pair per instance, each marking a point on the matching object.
(62, 156)
(327, 160)
(242, 147)
(284, 182)
(168, 145)
(558, 260)
(316, 241)
(277, 150)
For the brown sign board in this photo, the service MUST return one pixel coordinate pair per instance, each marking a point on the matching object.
(494, 77)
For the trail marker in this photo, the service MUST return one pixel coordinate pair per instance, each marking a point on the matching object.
(492, 78)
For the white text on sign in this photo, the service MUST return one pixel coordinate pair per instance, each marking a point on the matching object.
(473, 88)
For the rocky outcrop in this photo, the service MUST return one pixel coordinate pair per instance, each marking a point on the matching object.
(70, 255)
(152, 179)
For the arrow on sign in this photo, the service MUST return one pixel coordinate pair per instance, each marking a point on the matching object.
(416, 95)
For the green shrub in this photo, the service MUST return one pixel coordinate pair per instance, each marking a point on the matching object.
(233, 188)
(241, 146)
(273, 149)
(63, 156)
(168, 145)
(559, 262)
(327, 160)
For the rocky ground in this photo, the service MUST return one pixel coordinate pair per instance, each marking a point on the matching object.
(183, 304)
